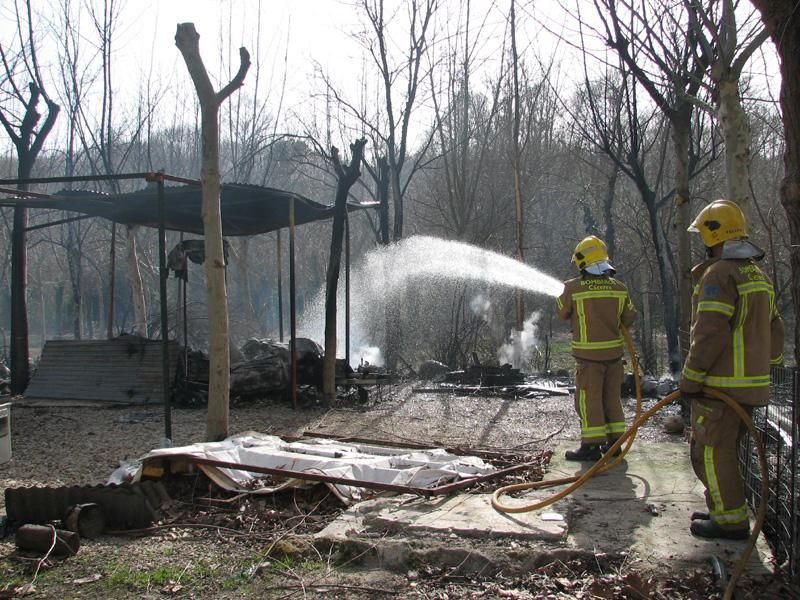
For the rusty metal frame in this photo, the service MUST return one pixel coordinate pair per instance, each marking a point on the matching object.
(309, 476)
(488, 454)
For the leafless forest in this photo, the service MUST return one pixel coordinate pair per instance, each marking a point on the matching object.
(624, 123)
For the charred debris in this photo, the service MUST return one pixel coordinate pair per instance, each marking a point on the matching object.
(491, 380)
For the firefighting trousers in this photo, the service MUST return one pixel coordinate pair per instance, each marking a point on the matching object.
(714, 449)
(598, 386)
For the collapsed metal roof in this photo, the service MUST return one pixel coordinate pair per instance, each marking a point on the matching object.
(245, 209)
(126, 369)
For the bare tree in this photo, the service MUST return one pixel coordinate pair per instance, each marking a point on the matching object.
(187, 40)
(95, 127)
(631, 145)
(467, 133)
(727, 47)
(663, 54)
(400, 77)
(20, 118)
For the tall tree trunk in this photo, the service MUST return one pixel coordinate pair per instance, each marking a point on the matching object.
(608, 214)
(736, 132)
(782, 21)
(681, 123)
(515, 165)
(20, 371)
(137, 287)
(665, 279)
(383, 199)
(346, 178)
(188, 42)
(75, 275)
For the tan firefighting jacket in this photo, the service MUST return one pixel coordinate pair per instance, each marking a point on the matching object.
(596, 306)
(737, 332)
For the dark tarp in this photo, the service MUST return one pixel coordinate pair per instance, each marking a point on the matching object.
(246, 209)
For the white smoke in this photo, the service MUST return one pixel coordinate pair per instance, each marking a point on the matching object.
(520, 347)
(481, 306)
(371, 355)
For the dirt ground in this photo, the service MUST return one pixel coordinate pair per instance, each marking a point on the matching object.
(263, 548)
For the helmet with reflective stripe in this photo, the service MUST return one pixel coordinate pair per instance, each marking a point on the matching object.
(589, 251)
(718, 222)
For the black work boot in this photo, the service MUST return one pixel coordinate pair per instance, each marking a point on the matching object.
(587, 452)
(706, 528)
(607, 446)
(701, 515)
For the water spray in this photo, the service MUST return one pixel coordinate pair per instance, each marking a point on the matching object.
(385, 271)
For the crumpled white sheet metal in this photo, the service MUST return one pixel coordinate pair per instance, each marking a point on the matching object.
(365, 462)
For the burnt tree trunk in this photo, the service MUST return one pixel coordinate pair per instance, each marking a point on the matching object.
(347, 176)
(28, 142)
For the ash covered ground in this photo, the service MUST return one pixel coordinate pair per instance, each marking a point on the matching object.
(261, 548)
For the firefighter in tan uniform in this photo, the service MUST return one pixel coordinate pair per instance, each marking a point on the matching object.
(596, 304)
(736, 335)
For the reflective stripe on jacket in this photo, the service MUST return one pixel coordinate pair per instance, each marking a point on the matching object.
(737, 332)
(596, 306)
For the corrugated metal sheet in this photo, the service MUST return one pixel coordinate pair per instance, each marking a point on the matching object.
(126, 369)
(124, 506)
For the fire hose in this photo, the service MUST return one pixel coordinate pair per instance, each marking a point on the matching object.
(626, 439)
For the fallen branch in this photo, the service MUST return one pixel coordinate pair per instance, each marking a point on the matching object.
(322, 587)
(539, 441)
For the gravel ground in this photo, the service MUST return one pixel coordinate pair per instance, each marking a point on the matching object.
(81, 445)
(60, 445)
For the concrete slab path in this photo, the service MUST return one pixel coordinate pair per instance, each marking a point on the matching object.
(644, 505)
(641, 509)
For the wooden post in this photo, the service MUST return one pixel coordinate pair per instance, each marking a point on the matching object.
(111, 281)
(347, 288)
(280, 287)
(292, 310)
(166, 388)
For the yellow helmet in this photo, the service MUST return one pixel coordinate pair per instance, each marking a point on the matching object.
(718, 222)
(589, 251)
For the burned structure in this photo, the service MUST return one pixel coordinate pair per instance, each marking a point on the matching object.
(174, 203)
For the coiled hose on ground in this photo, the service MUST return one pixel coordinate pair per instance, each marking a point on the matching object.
(626, 439)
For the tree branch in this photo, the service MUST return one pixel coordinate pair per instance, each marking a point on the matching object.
(238, 80)
(188, 42)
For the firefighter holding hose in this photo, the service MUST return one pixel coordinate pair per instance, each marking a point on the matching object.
(736, 335)
(596, 304)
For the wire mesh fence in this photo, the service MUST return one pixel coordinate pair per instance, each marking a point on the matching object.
(778, 428)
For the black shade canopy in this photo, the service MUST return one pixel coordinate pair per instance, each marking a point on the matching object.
(246, 209)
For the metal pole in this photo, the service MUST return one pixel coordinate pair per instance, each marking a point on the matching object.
(112, 269)
(794, 550)
(181, 314)
(347, 288)
(280, 288)
(292, 307)
(162, 270)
